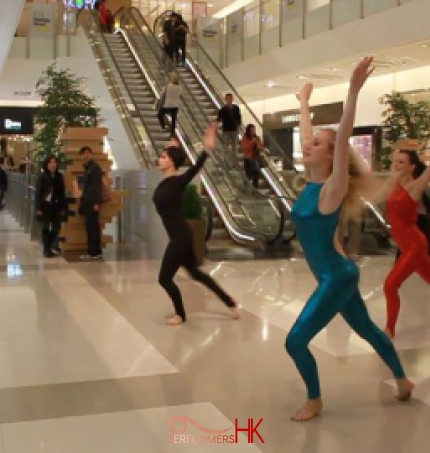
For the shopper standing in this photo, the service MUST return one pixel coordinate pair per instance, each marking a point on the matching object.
(230, 118)
(90, 203)
(50, 205)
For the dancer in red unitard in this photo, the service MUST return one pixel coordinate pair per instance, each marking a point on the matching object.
(410, 178)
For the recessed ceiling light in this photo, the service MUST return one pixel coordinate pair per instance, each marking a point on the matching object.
(333, 69)
(270, 84)
(424, 46)
(303, 77)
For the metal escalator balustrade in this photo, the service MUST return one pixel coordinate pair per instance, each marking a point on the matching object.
(210, 101)
(99, 46)
(265, 222)
(245, 226)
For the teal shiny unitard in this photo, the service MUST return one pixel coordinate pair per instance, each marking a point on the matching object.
(337, 292)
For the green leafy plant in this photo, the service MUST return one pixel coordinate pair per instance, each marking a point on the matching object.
(402, 120)
(192, 207)
(65, 104)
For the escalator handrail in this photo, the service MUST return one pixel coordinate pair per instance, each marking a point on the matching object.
(213, 186)
(240, 204)
(272, 176)
(231, 87)
(254, 192)
(130, 123)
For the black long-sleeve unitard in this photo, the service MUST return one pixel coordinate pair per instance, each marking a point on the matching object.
(179, 252)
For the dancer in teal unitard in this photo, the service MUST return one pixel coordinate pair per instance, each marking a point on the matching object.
(336, 180)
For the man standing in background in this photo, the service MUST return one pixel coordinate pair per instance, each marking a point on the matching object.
(90, 203)
(3, 183)
(230, 118)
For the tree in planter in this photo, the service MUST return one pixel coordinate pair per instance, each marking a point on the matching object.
(64, 105)
(402, 120)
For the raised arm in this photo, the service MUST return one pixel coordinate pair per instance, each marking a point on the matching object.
(209, 145)
(337, 184)
(306, 128)
(420, 184)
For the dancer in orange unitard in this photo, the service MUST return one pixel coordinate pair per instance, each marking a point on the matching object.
(407, 186)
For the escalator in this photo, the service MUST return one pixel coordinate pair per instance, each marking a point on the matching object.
(202, 103)
(202, 73)
(251, 219)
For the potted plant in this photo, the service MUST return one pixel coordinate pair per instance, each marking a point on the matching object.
(192, 209)
(403, 121)
(65, 104)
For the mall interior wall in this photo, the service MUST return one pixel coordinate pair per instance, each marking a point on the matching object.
(390, 28)
(10, 13)
(20, 71)
(369, 108)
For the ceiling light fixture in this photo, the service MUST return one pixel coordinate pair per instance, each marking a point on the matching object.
(270, 84)
(303, 77)
(425, 46)
(333, 69)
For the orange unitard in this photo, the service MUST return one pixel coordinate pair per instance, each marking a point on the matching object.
(402, 212)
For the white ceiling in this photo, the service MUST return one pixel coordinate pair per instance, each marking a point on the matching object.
(387, 61)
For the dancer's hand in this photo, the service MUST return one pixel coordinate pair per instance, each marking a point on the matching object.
(209, 140)
(361, 73)
(305, 93)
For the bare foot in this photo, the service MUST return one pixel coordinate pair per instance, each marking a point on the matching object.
(235, 310)
(309, 411)
(174, 321)
(404, 387)
(389, 333)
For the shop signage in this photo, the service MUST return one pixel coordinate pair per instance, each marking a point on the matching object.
(41, 20)
(79, 3)
(16, 120)
(320, 115)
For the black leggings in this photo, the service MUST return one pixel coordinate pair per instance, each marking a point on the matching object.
(173, 112)
(175, 256)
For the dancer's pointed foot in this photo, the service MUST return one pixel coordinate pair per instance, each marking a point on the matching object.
(404, 387)
(234, 311)
(309, 411)
(389, 333)
(174, 321)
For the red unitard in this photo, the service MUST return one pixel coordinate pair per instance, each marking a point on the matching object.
(402, 212)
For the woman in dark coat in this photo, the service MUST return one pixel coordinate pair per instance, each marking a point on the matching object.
(50, 205)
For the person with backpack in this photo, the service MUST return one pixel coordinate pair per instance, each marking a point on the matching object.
(405, 193)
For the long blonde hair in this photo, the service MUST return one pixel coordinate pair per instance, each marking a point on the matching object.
(362, 184)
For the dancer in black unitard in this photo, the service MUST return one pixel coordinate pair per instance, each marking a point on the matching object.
(168, 202)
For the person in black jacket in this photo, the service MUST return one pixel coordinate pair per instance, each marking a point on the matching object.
(91, 199)
(230, 118)
(50, 205)
(3, 183)
(181, 31)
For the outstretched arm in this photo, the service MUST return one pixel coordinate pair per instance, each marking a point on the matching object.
(209, 145)
(337, 184)
(306, 129)
(420, 184)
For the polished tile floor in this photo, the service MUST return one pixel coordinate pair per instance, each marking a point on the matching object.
(87, 365)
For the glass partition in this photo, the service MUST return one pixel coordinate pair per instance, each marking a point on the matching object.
(270, 21)
(317, 20)
(234, 37)
(345, 11)
(292, 21)
(372, 7)
(251, 35)
(265, 25)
